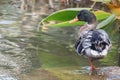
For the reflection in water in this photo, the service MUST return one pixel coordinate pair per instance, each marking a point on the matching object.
(6, 22)
(57, 40)
(17, 54)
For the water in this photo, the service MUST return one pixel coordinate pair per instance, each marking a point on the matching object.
(26, 54)
(17, 53)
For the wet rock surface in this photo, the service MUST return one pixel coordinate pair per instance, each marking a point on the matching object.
(111, 73)
(103, 73)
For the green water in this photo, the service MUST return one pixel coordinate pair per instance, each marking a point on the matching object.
(59, 42)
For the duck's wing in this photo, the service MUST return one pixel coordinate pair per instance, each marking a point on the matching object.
(104, 36)
(78, 46)
(97, 41)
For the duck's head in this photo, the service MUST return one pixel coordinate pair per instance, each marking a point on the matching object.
(85, 15)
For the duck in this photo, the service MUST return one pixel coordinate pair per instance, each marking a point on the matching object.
(91, 43)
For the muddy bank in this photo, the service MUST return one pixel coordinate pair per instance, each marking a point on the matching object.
(39, 74)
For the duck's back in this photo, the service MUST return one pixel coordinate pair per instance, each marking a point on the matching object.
(96, 40)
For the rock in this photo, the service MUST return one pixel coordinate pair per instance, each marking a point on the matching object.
(111, 73)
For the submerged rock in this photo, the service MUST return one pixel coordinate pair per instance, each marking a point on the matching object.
(103, 73)
(111, 73)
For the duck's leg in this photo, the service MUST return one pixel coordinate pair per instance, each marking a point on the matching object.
(91, 64)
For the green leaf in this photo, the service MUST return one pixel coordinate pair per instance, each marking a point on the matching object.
(101, 15)
(64, 15)
(106, 22)
(65, 24)
(102, 1)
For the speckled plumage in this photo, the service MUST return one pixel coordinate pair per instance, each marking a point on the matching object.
(92, 43)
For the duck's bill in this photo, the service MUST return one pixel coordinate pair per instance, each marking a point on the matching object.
(74, 20)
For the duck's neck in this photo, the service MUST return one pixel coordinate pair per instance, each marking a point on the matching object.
(93, 24)
(87, 27)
